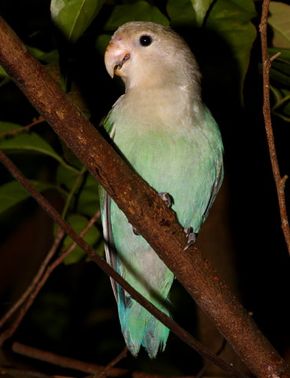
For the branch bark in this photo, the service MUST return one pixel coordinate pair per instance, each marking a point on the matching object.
(85, 367)
(65, 362)
(144, 209)
(169, 322)
(279, 180)
(43, 274)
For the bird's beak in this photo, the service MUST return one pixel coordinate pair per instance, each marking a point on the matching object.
(115, 57)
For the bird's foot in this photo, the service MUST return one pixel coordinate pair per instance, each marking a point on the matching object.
(191, 237)
(166, 197)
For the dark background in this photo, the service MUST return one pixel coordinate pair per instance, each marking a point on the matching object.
(75, 314)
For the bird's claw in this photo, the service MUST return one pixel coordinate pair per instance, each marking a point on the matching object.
(166, 197)
(191, 237)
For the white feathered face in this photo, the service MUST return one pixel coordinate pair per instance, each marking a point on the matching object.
(144, 53)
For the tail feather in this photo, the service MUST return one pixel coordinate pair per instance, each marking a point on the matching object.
(139, 327)
(155, 337)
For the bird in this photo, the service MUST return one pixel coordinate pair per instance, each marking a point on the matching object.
(165, 132)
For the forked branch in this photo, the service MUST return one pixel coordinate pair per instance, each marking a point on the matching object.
(280, 181)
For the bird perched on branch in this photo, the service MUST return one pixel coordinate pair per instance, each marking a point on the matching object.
(163, 129)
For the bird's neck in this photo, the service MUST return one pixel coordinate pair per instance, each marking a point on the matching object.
(168, 104)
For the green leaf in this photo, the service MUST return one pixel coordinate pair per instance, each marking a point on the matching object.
(279, 20)
(280, 68)
(88, 200)
(139, 11)
(24, 142)
(181, 13)
(12, 193)
(65, 178)
(280, 77)
(200, 9)
(79, 222)
(3, 73)
(73, 17)
(102, 42)
(46, 57)
(246, 6)
(231, 20)
(280, 83)
(281, 107)
(284, 53)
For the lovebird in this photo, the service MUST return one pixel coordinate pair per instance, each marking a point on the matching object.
(165, 132)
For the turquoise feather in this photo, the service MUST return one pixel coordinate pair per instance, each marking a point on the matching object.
(182, 157)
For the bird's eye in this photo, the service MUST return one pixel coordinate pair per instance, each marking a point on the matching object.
(145, 40)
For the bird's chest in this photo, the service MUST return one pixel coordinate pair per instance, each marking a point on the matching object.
(146, 149)
(151, 135)
(162, 156)
(166, 149)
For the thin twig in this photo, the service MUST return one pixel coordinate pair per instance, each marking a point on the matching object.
(85, 367)
(40, 281)
(23, 129)
(74, 188)
(64, 362)
(202, 371)
(73, 245)
(123, 354)
(22, 373)
(166, 320)
(36, 279)
(144, 209)
(279, 180)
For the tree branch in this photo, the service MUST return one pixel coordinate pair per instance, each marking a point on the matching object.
(43, 274)
(23, 129)
(103, 373)
(65, 362)
(35, 281)
(279, 180)
(82, 366)
(169, 322)
(22, 373)
(145, 210)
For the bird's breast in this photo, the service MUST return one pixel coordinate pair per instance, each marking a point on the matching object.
(161, 109)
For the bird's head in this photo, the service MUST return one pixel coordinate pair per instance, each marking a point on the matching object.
(148, 54)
